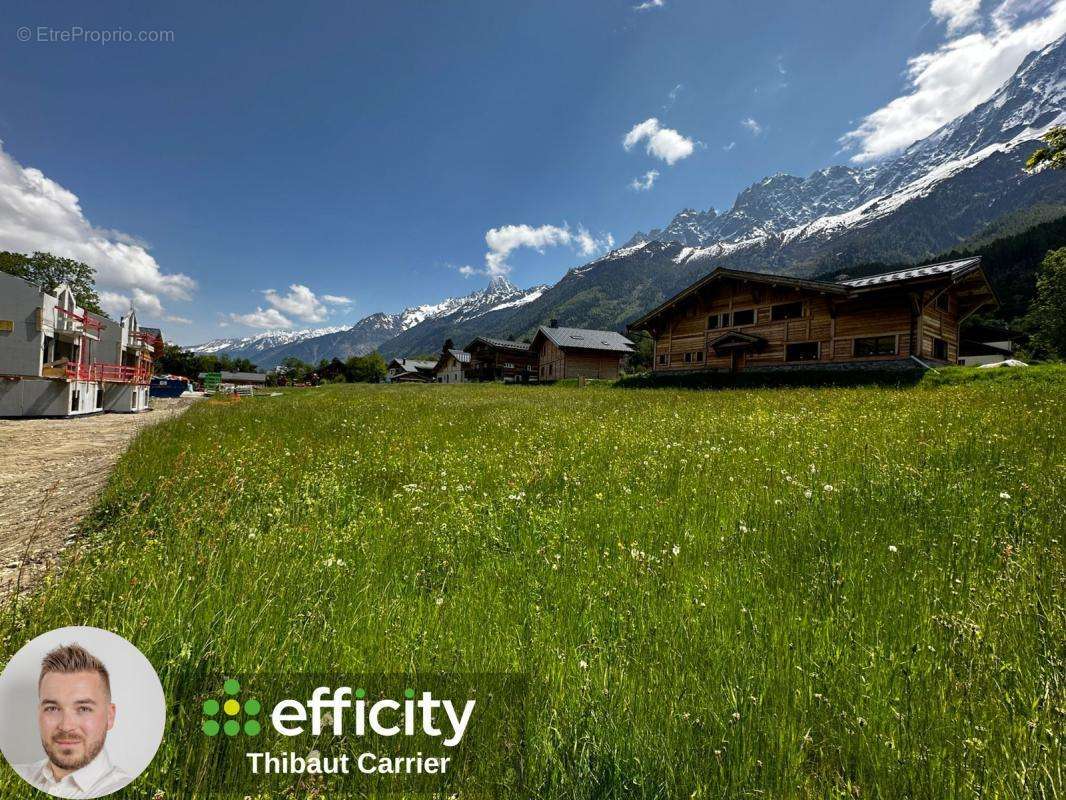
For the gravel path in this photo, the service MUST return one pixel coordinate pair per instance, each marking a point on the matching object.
(51, 471)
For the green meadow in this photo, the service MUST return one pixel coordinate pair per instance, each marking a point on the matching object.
(840, 592)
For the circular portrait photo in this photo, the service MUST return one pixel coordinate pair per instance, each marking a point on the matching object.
(83, 712)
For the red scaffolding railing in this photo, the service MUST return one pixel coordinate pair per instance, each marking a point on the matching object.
(120, 373)
(77, 371)
(110, 373)
(84, 319)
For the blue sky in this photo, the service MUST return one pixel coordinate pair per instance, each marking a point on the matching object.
(363, 150)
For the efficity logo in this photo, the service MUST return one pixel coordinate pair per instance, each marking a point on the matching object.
(340, 711)
(230, 709)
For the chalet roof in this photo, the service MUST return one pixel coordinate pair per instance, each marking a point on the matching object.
(848, 288)
(971, 348)
(501, 344)
(411, 364)
(583, 339)
(990, 333)
(158, 334)
(953, 268)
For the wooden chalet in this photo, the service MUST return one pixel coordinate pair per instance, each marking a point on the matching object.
(452, 366)
(500, 360)
(579, 353)
(409, 370)
(733, 320)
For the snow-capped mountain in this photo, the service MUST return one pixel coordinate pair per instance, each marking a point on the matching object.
(270, 348)
(258, 342)
(793, 208)
(939, 192)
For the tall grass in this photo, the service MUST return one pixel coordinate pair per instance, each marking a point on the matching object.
(849, 592)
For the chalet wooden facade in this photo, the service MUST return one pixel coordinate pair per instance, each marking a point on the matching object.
(579, 353)
(732, 320)
(500, 360)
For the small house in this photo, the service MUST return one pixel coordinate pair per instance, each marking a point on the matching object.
(409, 370)
(579, 353)
(452, 365)
(987, 344)
(500, 360)
(733, 320)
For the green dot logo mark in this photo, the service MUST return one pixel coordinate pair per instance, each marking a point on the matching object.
(223, 717)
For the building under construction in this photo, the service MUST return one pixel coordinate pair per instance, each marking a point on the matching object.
(59, 360)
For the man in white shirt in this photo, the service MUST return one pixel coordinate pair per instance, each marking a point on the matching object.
(74, 715)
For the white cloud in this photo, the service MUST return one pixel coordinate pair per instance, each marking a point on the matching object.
(589, 245)
(957, 14)
(644, 183)
(36, 213)
(649, 4)
(262, 318)
(665, 144)
(729, 146)
(752, 125)
(957, 76)
(300, 302)
(506, 239)
(467, 271)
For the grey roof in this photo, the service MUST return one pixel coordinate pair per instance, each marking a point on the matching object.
(913, 273)
(412, 365)
(503, 344)
(152, 331)
(461, 356)
(587, 340)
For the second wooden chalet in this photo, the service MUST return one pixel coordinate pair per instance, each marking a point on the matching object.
(579, 353)
(500, 360)
(733, 320)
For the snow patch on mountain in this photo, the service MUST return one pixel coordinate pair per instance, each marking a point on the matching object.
(264, 340)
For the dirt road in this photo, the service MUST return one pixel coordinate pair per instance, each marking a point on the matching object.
(51, 471)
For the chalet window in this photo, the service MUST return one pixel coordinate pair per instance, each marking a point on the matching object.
(801, 351)
(725, 319)
(745, 317)
(942, 301)
(940, 349)
(875, 346)
(713, 321)
(699, 356)
(662, 359)
(688, 358)
(75, 400)
(785, 311)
